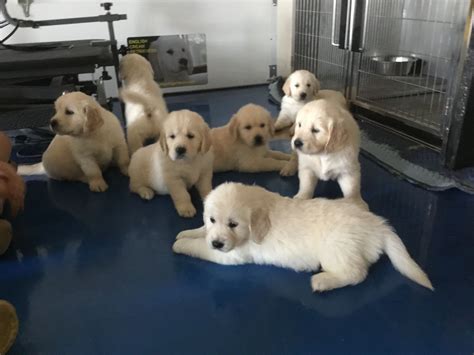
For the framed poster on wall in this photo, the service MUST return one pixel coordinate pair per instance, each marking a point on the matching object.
(177, 60)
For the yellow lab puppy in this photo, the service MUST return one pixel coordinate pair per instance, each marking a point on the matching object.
(180, 160)
(242, 144)
(88, 140)
(145, 108)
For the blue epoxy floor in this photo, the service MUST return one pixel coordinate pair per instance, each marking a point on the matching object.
(95, 274)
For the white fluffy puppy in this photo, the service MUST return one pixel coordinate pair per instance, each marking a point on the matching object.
(88, 140)
(300, 88)
(327, 140)
(248, 224)
(180, 160)
(145, 108)
(173, 58)
(242, 144)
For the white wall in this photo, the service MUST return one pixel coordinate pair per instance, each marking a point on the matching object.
(240, 33)
(285, 21)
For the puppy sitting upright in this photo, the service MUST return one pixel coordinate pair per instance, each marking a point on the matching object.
(145, 108)
(327, 140)
(248, 224)
(300, 88)
(88, 140)
(180, 160)
(242, 144)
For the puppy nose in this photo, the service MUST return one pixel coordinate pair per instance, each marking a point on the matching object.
(183, 61)
(298, 143)
(217, 244)
(54, 123)
(258, 139)
(303, 95)
(180, 150)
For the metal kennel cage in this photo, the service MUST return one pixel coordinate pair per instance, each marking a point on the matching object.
(397, 61)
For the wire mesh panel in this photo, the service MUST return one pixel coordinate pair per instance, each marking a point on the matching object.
(411, 52)
(313, 50)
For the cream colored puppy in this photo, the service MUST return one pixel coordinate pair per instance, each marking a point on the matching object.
(242, 144)
(248, 224)
(327, 140)
(145, 108)
(180, 160)
(88, 140)
(300, 88)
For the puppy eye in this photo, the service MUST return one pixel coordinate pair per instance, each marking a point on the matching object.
(172, 136)
(170, 51)
(297, 85)
(212, 220)
(182, 50)
(190, 135)
(262, 125)
(232, 225)
(248, 127)
(315, 130)
(299, 124)
(69, 112)
(308, 85)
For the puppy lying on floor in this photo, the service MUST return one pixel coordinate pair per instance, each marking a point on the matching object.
(242, 144)
(145, 108)
(300, 88)
(180, 160)
(327, 140)
(248, 224)
(88, 140)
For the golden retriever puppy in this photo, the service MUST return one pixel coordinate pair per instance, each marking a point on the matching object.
(180, 160)
(300, 88)
(242, 144)
(248, 224)
(88, 140)
(145, 108)
(327, 140)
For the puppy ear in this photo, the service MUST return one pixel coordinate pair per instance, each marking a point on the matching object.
(316, 86)
(205, 139)
(287, 86)
(337, 135)
(259, 224)
(93, 118)
(162, 141)
(234, 127)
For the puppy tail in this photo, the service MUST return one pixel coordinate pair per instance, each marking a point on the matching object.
(34, 169)
(130, 96)
(402, 261)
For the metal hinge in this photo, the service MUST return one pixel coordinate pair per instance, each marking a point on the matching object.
(274, 2)
(272, 71)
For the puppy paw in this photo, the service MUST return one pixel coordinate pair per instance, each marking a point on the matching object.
(98, 185)
(186, 211)
(179, 246)
(302, 196)
(124, 170)
(321, 282)
(288, 170)
(146, 193)
(185, 235)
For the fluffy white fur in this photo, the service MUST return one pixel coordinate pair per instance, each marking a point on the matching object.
(88, 140)
(248, 224)
(180, 160)
(145, 108)
(173, 59)
(242, 144)
(300, 88)
(327, 140)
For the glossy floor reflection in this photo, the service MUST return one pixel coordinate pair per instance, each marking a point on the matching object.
(95, 274)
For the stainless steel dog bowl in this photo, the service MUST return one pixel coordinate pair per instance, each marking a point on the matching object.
(393, 65)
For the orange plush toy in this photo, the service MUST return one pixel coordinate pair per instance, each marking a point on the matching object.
(12, 189)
